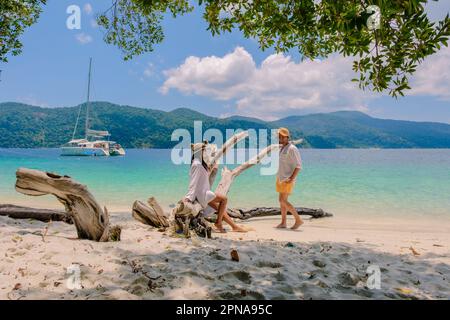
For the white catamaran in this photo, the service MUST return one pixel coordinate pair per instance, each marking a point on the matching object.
(92, 144)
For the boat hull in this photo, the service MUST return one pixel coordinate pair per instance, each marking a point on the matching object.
(85, 152)
(117, 152)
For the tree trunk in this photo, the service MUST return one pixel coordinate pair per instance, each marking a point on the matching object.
(151, 214)
(44, 215)
(90, 220)
(244, 214)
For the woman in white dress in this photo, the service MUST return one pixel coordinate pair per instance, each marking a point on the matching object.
(200, 190)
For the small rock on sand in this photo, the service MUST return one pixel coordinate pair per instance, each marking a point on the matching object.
(234, 255)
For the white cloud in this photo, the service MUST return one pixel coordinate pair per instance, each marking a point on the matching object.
(274, 89)
(88, 8)
(83, 38)
(211, 76)
(149, 70)
(433, 76)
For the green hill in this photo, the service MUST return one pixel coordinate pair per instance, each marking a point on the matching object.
(25, 126)
(350, 129)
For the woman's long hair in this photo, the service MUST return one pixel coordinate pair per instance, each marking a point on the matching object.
(203, 162)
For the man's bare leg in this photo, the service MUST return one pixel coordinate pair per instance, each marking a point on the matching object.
(293, 211)
(283, 210)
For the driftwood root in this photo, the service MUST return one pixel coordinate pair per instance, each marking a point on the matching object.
(91, 221)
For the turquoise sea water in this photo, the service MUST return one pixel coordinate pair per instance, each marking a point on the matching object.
(355, 182)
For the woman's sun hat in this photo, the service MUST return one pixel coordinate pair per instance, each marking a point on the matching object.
(195, 147)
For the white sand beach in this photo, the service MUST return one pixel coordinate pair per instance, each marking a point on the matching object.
(326, 259)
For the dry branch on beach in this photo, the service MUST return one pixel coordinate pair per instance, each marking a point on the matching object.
(91, 221)
(245, 214)
(44, 215)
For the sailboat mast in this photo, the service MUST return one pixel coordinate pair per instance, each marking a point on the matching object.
(88, 101)
(76, 123)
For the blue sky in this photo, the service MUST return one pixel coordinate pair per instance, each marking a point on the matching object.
(219, 76)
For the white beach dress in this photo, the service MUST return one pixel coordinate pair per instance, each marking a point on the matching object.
(199, 187)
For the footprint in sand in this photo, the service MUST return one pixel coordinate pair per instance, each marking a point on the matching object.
(138, 286)
(279, 276)
(347, 279)
(319, 264)
(242, 276)
(19, 253)
(217, 256)
(243, 294)
(28, 246)
(268, 264)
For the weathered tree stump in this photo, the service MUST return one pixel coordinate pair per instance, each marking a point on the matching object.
(187, 217)
(44, 215)
(90, 220)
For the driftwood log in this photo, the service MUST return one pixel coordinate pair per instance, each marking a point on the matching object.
(91, 221)
(245, 214)
(151, 214)
(44, 215)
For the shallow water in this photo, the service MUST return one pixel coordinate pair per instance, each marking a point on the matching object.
(412, 182)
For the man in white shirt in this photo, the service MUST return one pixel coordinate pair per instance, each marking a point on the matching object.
(289, 166)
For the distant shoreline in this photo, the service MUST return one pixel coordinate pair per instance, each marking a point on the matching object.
(28, 126)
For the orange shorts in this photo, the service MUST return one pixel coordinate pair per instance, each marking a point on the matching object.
(284, 187)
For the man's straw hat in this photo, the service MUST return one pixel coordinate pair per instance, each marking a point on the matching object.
(284, 132)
